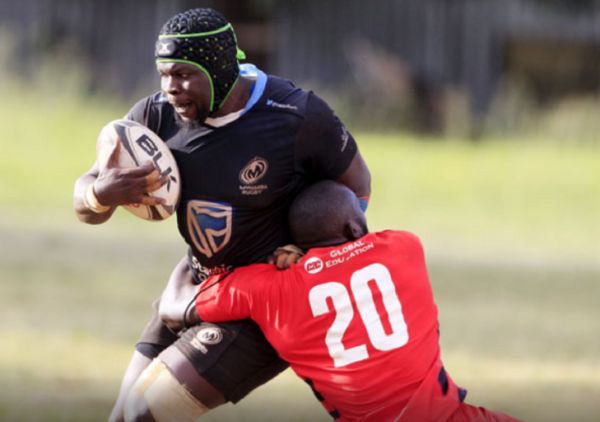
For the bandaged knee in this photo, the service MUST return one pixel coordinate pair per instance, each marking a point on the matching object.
(166, 398)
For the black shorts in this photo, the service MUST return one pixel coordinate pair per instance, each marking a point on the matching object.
(234, 357)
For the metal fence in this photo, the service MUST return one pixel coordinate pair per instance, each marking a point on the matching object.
(331, 43)
(460, 42)
(114, 39)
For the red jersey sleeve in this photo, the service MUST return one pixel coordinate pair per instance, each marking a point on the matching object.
(414, 247)
(234, 296)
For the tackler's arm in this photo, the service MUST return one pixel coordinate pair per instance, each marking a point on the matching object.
(176, 308)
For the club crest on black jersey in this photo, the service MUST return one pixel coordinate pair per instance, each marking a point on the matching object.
(238, 180)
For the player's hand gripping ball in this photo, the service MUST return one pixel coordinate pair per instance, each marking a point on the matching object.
(138, 145)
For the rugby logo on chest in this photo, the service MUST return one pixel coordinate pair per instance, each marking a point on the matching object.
(250, 174)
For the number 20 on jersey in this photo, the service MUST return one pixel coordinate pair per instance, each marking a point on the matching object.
(341, 298)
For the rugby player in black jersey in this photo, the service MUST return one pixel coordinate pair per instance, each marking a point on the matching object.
(246, 143)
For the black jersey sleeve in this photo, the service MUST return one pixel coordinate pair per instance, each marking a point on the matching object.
(146, 112)
(324, 147)
(140, 111)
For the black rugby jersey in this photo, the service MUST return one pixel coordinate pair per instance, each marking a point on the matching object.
(238, 180)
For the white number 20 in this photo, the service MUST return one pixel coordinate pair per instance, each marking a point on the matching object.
(363, 297)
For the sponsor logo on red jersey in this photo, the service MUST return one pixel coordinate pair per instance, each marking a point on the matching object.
(347, 252)
(313, 265)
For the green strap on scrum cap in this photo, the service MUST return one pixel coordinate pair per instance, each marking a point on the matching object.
(205, 51)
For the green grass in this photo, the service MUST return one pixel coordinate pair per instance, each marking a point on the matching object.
(510, 230)
(533, 200)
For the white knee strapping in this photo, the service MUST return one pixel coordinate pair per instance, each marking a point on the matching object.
(167, 399)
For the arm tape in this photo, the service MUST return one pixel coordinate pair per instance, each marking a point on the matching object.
(91, 201)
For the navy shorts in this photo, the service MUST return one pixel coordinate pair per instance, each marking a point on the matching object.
(234, 357)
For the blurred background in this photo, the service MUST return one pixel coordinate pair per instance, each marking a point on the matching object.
(479, 121)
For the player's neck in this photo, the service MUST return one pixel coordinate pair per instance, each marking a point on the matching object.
(238, 98)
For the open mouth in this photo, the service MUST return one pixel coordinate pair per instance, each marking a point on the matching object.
(185, 110)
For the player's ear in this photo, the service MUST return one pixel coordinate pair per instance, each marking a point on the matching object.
(353, 230)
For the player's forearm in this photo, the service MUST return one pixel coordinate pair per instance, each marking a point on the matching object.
(82, 210)
(178, 297)
(178, 315)
(192, 317)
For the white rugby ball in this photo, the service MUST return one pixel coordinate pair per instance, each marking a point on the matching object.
(138, 146)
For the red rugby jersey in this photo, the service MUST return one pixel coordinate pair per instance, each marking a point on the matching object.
(357, 322)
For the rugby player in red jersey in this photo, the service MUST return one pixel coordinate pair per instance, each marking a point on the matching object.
(355, 317)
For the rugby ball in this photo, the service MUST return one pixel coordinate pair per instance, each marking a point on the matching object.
(139, 145)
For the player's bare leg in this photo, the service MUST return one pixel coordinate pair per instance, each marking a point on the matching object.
(171, 385)
(184, 372)
(136, 366)
(170, 389)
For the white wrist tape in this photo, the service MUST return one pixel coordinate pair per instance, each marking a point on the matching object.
(91, 201)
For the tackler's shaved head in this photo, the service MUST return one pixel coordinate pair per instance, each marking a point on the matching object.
(325, 214)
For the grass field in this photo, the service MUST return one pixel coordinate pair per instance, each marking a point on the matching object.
(511, 231)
